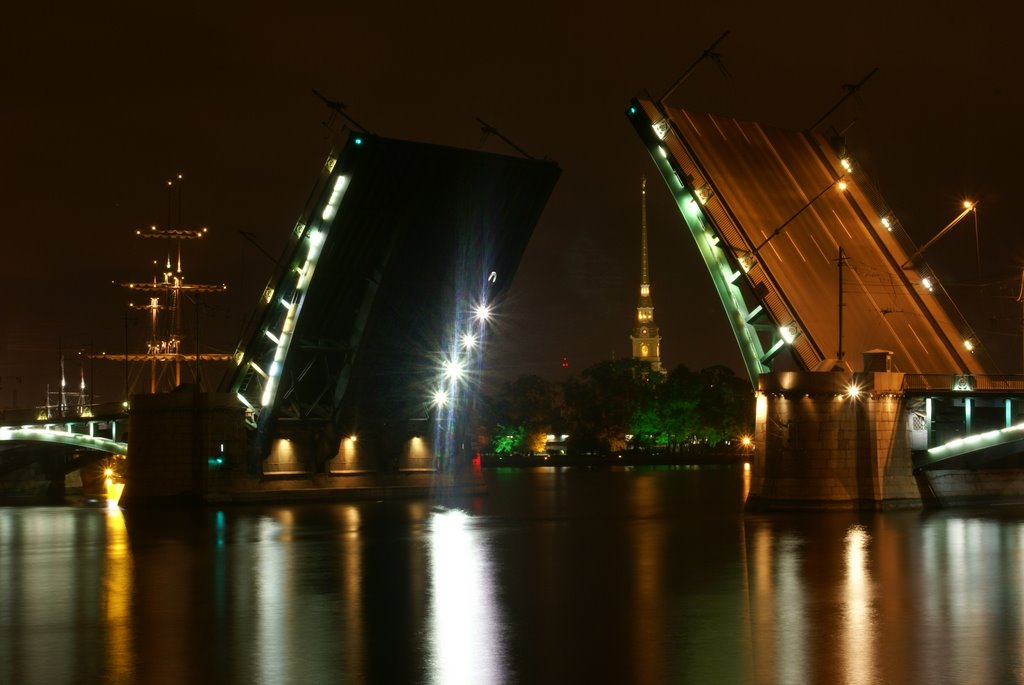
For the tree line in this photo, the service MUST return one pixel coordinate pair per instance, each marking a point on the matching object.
(617, 405)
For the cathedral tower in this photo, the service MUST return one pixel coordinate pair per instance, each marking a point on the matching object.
(645, 338)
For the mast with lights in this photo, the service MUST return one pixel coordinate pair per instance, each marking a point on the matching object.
(165, 296)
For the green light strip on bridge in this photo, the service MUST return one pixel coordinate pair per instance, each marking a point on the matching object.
(63, 438)
(974, 442)
(724, 275)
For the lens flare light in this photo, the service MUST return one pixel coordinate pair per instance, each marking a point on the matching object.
(482, 312)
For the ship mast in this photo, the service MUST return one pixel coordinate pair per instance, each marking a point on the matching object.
(165, 296)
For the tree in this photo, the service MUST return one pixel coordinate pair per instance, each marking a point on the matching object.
(600, 407)
(726, 405)
(618, 398)
(509, 439)
(527, 408)
(679, 397)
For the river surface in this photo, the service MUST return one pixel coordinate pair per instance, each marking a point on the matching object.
(556, 576)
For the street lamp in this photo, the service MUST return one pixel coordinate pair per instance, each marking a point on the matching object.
(840, 182)
(968, 208)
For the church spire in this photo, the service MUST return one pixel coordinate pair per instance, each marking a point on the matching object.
(645, 338)
(645, 279)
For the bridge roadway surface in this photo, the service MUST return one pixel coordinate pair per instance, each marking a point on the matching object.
(765, 177)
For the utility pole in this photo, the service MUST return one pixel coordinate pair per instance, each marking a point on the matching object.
(839, 264)
(126, 358)
(708, 52)
(851, 89)
(199, 377)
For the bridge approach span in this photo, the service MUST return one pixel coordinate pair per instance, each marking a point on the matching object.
(49, 435)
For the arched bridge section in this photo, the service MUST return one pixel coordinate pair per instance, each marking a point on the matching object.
(781, 220)
(396, 246)
(59, 437)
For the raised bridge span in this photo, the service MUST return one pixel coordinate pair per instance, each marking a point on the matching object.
(770, 210)
(360, 329)
(806, 255)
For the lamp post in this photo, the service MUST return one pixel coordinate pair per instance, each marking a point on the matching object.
(841, 182)
(968, 208)
(126, 389)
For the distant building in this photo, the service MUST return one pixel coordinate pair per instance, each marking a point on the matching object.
(645, 338)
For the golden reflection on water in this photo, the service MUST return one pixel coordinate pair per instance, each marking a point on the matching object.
(858, 626)
(746, 481)
(440, 596)
(118, 586)
(791, 619)
(351, 560)
(648, 606)
(900, 597)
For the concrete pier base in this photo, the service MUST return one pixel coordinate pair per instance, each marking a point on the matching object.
(188, 447)
(174, 443)
(819, 445)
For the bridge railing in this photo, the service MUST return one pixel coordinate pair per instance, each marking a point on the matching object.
(965, 383)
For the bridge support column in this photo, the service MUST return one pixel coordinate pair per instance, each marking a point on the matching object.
(181, 446)
(821, 446)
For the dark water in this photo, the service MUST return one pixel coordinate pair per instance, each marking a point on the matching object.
(554, 577)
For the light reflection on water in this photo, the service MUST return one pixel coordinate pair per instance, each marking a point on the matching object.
(118, 580)
(555, 576)
(464, 642)
(858, 627)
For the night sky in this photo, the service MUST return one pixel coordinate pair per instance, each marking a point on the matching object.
(101, 108)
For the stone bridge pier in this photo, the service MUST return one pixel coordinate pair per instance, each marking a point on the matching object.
(833, 440)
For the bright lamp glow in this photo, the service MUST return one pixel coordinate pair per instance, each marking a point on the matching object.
(927, 283)
(788, 333)
(468, 341)
(332, 204)
(453, 368)
(482, 312)
(968, 345)
(440, 397)
(852, 390)
(845, 162)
